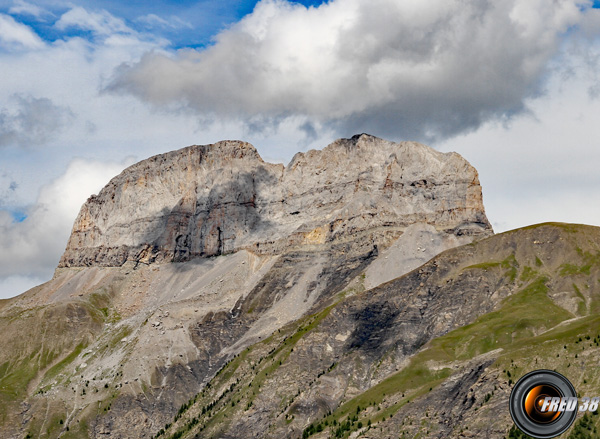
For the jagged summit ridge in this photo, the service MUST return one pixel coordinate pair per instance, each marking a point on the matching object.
(206, 200)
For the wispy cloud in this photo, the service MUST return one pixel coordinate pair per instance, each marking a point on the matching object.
(21, 7)
(17, 36)
(152, 21)
(31, 122)
(8, 189)
(101, 22)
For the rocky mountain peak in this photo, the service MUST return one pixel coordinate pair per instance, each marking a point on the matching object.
(207, 200)
(342, 287)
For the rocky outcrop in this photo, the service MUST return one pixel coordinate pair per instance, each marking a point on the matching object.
(216, 199)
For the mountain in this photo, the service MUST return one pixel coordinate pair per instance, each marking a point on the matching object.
(207, 293)
(218, 199)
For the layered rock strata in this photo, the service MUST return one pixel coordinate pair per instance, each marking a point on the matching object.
(216, 199)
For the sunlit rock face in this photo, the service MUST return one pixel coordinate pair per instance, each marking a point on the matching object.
(209, 200)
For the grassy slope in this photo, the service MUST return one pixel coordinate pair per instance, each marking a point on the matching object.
(525, 326)
(39, 344)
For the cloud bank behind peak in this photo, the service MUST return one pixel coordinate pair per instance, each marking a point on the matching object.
(401, 69)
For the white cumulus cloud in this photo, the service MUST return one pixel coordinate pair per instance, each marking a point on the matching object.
(17, 36)
(30, 249)
(410, 69)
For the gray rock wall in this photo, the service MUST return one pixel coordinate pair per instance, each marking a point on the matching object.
(209, 200)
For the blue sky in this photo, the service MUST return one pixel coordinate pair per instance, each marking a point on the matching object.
(198, 21)
(89, 87)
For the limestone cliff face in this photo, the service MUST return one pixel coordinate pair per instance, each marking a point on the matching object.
(216, 199)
